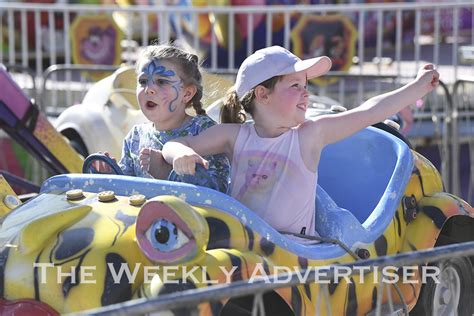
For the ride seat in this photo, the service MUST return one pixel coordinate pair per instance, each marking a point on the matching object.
(124, 87)
(364, 178)
(335, 222)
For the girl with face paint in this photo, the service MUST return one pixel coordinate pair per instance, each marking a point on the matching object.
(169, 82)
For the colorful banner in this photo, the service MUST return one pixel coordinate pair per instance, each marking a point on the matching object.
(96, 40)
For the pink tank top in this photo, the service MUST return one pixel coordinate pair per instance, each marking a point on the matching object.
(270, 177)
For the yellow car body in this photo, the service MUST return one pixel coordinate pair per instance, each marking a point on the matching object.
(98, 224)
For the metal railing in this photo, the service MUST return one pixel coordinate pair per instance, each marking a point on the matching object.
(48, 96)
(165, 23)
(189, 299)
(352, 89)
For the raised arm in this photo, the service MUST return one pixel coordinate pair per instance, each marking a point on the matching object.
(184, 153)
(332, 128)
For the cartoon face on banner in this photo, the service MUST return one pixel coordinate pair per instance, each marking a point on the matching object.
(96, 40)
(330, 35)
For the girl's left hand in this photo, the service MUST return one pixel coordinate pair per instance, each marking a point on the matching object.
(151, 161)
(145, 158)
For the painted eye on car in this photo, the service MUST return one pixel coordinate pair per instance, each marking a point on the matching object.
(170, 231)
(166, 236)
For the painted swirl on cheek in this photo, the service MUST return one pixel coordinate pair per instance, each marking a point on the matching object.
(176, 88)
(155, 69)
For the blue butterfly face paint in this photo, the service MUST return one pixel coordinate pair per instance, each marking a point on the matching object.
(156, 74)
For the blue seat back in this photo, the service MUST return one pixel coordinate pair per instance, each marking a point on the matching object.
(368, 170)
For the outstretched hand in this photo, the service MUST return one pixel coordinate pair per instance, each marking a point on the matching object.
(187, 164)
(428, 77)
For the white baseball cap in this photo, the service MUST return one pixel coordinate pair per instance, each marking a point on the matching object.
(274, 61)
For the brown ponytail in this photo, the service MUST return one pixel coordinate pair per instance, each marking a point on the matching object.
(232, 110)
(197, 104)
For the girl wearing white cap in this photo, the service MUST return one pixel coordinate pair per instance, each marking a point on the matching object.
(275, 158)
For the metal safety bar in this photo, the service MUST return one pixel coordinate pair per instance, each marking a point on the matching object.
(242, 288)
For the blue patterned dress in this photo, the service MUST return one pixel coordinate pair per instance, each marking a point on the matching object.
(146, 136)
